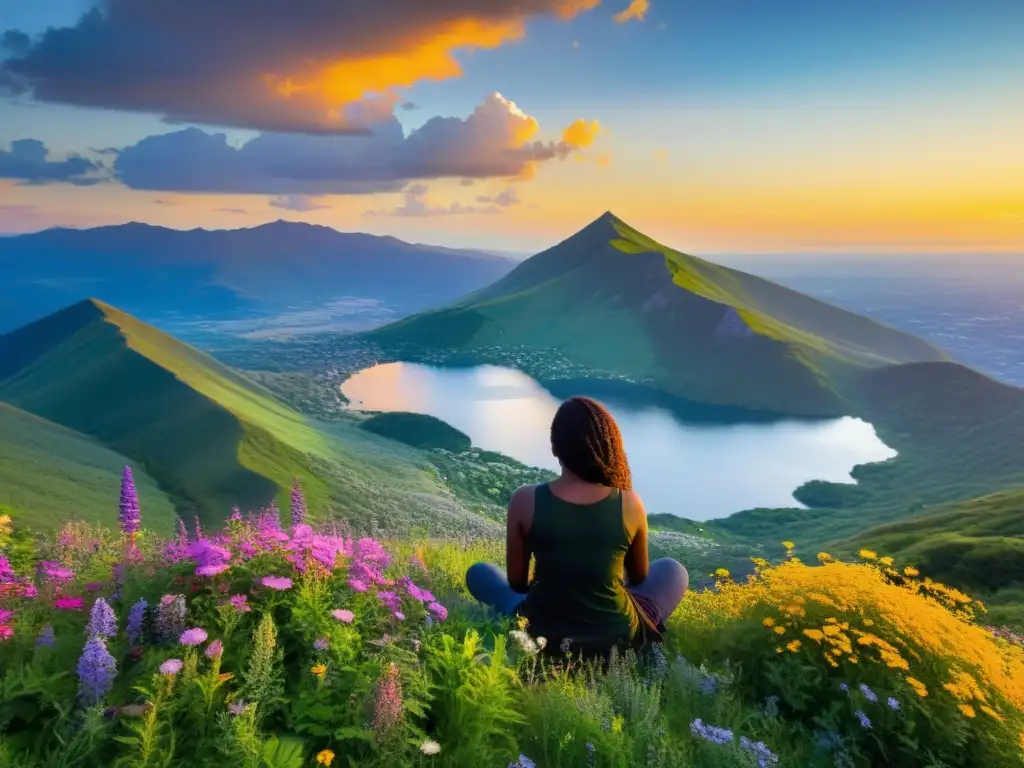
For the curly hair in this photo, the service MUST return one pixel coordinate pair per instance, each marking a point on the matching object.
(586, 439)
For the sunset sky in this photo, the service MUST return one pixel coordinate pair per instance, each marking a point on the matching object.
(717, 126)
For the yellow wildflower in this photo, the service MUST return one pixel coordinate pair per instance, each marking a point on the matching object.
(853, 660)
(778, 649)
(991, 712)
(319, 670)
(869, 623)
(780, 630)
(793, 646)
(789, 545)
(911, 571)
(824, 557)
(885, 560)
(867, 554)
(721, 573)
(324, 757)
(769, 622)
(967, 709)
(617, 724)
(815, 634)
(919, 688)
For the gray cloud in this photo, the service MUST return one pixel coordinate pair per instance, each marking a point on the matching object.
(418, 204)
(301, 203)
(28, 162)
(271, 65)
(504, 199)
(487, 144)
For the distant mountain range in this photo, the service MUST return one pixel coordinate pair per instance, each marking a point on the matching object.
(200, 274)
(612, 298)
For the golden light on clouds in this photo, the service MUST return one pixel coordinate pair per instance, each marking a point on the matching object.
(581, 133)
(636, 11)
(430, 55)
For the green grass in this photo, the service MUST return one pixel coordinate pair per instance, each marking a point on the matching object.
(49, 473)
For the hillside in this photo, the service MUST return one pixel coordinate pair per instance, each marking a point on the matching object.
(210, 437)
(611, 298)
(48, 471)
(202, 275)
(976, 545)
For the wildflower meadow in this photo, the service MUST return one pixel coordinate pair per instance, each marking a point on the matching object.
(281, 643)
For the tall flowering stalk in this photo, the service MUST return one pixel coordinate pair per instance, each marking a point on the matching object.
(298, 503)
(387, 701)
(102, 620)
(129, 506)
(96, 671)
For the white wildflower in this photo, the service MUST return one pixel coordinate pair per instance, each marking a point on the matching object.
(430, 747)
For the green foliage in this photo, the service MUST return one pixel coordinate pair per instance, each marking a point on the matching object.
(417, 430)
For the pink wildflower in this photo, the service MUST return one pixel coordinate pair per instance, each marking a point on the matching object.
(194, 636)
(356, 585)
(240, 603)
(277, 582)
(6, 632)
(344, 616)
(388, 706)
(68, 603)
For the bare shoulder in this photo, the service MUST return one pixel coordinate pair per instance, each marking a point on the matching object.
(633, 508)
(520, 505)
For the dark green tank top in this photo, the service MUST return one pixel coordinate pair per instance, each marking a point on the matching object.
(577, 590)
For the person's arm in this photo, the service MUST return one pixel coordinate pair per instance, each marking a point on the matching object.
(636, 561)
(517, 548)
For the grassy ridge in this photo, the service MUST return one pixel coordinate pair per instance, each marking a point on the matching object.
(48, 472)
(208, 435)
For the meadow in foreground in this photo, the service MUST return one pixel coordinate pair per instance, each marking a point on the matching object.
(282, 646)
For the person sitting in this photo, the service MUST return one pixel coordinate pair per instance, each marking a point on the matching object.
(582, 530)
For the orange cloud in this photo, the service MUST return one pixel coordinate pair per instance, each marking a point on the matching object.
(636, 11)
(333, 68)
(581, 134)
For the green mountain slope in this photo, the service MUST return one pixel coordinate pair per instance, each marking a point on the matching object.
(208, 435)
(49, 473)
(977, 545)
(612, 298)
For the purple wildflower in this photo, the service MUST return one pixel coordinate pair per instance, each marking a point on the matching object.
(214, 650)
(894, 705)
(96, 671)
(844, 688)
(321, 644)
(277, 582)
(240, 603)
(136, 618)
(46, 638)
(55, 573)
(194, 636)
(711, 733)
(390, 599)
(438, 610)
(868, 693)
(129, 505)
(170, 617)
(67, 603)
(102, 621)
(399, 615)
(864, 720)
(523, 762)
(344, 616)
(356, 585)
(764, 756)
(94, 586)
(388, 706)
(171, 667)
(236, 514)
(298, 503)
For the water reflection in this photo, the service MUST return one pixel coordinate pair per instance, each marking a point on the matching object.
(700, 472)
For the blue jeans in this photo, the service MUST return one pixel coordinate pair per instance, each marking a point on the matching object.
(665, 585)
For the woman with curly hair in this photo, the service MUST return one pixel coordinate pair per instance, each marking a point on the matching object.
(584, 531)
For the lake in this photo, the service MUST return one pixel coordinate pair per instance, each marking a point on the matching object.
(695, 471)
